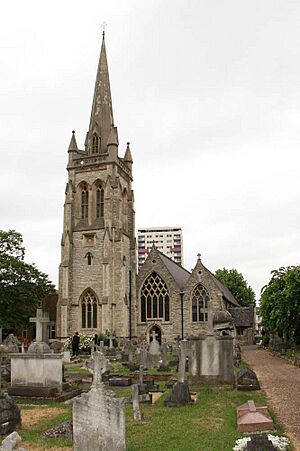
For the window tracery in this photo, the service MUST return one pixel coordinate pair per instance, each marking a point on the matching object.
(89, 311)
(155, 300)
(200, 301)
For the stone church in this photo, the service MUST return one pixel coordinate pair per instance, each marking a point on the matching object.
(99, 288)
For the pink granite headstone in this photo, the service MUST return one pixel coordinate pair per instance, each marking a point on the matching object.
(252, 417)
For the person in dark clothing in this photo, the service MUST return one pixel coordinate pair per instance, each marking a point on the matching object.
(75, 344)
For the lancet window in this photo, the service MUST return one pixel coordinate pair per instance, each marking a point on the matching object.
(84, 203)
(89, 311)
(95, 143)
(155, 300)
(200, 301)
(100, 202)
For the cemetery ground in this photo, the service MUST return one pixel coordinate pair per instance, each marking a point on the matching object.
(207, 425)
(281, 382)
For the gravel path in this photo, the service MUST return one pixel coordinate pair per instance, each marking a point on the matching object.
(281, 382)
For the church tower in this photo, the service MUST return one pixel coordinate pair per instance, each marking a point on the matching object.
(98, 259)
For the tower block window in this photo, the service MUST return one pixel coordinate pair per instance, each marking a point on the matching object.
(95, 143)
(100, 202)
(200, 301)
(155, 300)
(84, 203)
(89, 311)
(89, 258)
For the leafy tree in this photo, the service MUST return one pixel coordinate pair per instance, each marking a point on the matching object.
(238, 286)
(22, 285)
(280, 303)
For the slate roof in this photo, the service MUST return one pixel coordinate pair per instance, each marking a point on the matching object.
(242, 316)
(226, 292)
(179, 274)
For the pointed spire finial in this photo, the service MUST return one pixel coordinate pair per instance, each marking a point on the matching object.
(103, 26)
(199, 256)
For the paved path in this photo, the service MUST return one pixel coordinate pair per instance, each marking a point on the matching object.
(281, 382)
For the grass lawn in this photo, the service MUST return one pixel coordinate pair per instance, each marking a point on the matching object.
(207, 425)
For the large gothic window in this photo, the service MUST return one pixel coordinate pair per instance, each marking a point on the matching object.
(155, 300)
(200, 301)
(95, 143)
(100, 202)
(84, 203)
(89, 311)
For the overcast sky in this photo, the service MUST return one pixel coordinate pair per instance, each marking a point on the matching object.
(207, 93)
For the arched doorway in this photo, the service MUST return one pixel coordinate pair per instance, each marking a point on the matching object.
(157, 331)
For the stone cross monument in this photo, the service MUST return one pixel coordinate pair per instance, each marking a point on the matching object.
(40, 319)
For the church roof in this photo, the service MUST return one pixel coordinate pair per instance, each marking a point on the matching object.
(226, 292)
(242, 316)
(179, 274)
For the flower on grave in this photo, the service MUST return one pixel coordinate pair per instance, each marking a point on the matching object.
(281, 443)
(241, 444)
(85, 343)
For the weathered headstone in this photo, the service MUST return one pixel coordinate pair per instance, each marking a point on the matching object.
(10, 443)
(137, 414)
(98, 417)
(164, 366)
(143, 356)
(97, 358)
(180, 393)
(252, 417)
(246, 380)
(10, 417)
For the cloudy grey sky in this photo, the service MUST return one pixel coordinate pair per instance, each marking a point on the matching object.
(208, 94)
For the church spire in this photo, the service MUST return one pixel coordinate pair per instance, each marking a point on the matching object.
(102, 115)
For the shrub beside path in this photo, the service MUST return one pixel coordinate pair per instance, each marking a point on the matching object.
(281, 382)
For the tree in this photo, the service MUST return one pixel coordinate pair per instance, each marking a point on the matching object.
(238, 286)
(280, 303)
(22, 285)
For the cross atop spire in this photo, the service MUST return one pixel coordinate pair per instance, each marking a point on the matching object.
(103, 26)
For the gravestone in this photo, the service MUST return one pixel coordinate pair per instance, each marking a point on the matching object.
(98, 417)
(10, 443)
(246, 380)
(137, 414)
(143, 356)
(180, 393)
(10, 417)
(154, 348)
(42, 321)
(164, 366)
(252, 417)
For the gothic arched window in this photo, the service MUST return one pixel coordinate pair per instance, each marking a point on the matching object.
(155, 300)
(95, 143)
(89, 311)
(84, 203)
(100, 202)
(200, 301)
